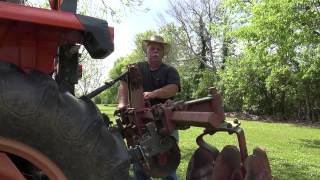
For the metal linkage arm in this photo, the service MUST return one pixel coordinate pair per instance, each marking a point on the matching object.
(206, 112)
(104, 87)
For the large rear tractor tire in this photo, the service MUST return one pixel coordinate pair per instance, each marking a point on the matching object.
(70, 131)
(20, 161)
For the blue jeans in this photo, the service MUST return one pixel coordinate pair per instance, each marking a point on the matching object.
(140, 175)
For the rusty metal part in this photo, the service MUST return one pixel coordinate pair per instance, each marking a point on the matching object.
(162, 115)
(205, 112)
(135, 97)
(257, 166)
(153, 143)
(199, 119)
(55, 4)
(232, 128)
(163, 164)
(201, 163)
(202, 144)
(8, 170)
(105, 86)
(228, 164)
(35, 157)
(135, 80)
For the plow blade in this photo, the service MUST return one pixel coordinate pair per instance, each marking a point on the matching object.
(257, 166)
(206, 164)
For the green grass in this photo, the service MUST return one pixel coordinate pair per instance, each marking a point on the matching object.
(108, 109)
(293, 151)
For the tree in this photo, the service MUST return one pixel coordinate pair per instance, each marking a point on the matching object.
(281, 43)
(202, 32)
(92, 76)
(195, 18)
(179, 58)
(114, 11)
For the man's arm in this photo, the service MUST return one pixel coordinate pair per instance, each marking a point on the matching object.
(165, 92)
(123, 95)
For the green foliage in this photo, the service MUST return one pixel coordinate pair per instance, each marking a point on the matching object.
(194, 79)
(97, 100)
(208, 79)
(179, 54)
(278, 70)
(108, 109)
(243, 84)
(110, 96)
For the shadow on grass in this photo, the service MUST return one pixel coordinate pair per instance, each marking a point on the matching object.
(311, 143)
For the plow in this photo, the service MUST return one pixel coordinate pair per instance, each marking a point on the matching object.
(149, 133)
(48, 133)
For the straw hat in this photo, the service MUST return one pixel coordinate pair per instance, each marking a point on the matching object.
(156, 39)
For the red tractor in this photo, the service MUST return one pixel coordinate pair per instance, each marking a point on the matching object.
(48, 133)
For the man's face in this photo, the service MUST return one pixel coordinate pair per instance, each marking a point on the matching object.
(155, 52)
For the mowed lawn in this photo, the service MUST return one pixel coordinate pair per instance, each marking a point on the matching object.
(293, 151)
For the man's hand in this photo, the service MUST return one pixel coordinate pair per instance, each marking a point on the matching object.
(149, 95)
(162, 93)
(122, 106)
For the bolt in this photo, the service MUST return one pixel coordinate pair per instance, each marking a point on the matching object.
(212, 91)
(229, 125)
(236, 121)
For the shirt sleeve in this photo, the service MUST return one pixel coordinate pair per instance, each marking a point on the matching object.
(173, 77)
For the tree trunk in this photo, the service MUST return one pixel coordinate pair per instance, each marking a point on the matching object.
(307, 105)
(283, 103)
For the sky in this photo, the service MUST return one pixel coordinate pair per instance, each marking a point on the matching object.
(132, 24)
